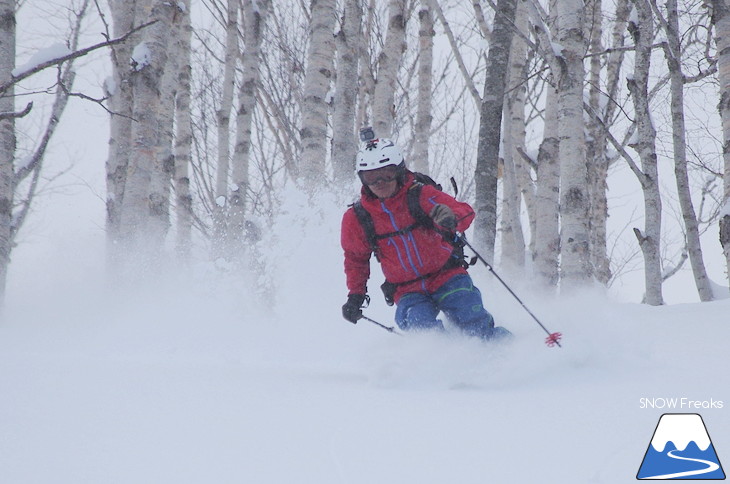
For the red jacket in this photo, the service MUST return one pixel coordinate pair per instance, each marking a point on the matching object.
(404, 257)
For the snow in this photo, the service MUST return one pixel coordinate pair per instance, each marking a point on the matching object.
(681, 430)
(55, 51)
(141, 56)
(557, 49)
(110, 86)
(221, 376)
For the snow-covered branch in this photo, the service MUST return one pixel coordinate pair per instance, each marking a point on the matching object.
(44, 62)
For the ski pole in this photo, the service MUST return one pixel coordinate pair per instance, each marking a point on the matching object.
(390, 329)
(553, 338)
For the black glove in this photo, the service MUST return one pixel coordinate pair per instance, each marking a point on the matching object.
(351, 309)
(442, 215)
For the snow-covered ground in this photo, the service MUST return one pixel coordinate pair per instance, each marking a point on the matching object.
(200, 378)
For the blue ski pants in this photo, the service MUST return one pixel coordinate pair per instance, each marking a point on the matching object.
(458, 299)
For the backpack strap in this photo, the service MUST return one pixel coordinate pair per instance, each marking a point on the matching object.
(366, 221)
(413, 198)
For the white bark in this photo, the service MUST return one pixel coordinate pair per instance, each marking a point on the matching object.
(120, 124)
(513, 240)
(516, 182)
(388, 64)
(721, 17)
(575, 250)
(145, 207)
(255, 21)
(344, 139)
(547, 187)
(547, 226)
(649, 239)
(425, 88)
(596, 145)
(367, 81)
(183, 141)
(318, 76)
(673, 52)
(223, 118)
(7, 136)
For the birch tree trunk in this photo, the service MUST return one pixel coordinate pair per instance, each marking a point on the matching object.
(318, 75)
(7, 137)
(145, 207)
(605, 111)
(516, 181)
(388, 64)
(220, 241)
(344, 140)
(490, 122)
(255, 21)
(721, 19)
(649, 240)
(367, 81)
(547, 190)
(547, 226)
(425, 87)
(673, 53)
(183, 141)
(513, 241)
(120, 126)
(596, 156)
(575, 250)
(517, 98)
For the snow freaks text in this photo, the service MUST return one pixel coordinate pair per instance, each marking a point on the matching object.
(679, 403)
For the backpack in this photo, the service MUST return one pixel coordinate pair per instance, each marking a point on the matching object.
(413, 196)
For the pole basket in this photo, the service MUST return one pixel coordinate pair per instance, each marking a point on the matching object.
(553, 339)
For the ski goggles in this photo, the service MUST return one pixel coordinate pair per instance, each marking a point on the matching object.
(385, 174)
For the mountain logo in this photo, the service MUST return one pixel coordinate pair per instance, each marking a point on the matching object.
(681, 449)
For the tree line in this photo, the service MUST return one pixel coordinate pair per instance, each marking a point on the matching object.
(217, 107)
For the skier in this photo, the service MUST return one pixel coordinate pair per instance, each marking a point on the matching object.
(410, 227)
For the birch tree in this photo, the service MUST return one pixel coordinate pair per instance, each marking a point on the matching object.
(254, 23)
(183, 141)
(547, 190)
(119, 95)
(318, 76)
(721, 20)
(425, 87)
(575, 250)
(602, 106)
(516, 181)
(596, 157)
(642, 31)
(490, 122)
(389, 60)
(547, 219)
(344, 142)
(19, 178)
(145, 206)
(673, 54)
(7, 136)
(220, 242)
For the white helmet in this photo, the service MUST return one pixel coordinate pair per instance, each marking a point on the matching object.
(377, 153)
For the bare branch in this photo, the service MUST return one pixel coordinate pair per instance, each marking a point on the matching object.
(71, 56)
(455, 48)
(20, 114)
